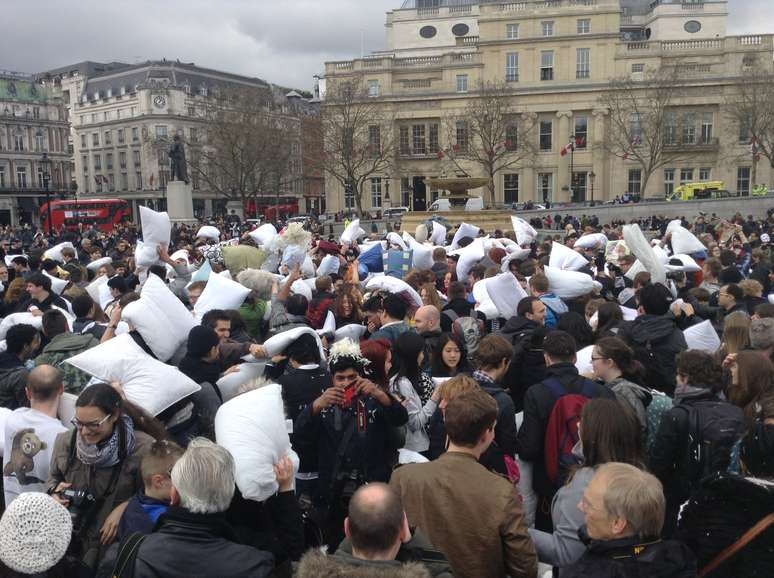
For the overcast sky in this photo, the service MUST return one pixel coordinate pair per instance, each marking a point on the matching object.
(281, 41)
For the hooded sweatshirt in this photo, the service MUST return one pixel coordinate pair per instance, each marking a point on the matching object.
(61, 348)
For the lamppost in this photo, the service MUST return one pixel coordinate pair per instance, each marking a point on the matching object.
(387, 200)
(592, 176)
(45, 163)
(572, 168)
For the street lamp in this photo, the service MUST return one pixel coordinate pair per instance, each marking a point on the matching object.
(45, 163)
(592, 176)
(572, 168)
(387, 192)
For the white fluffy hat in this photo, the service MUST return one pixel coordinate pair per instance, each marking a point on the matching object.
(34, 533)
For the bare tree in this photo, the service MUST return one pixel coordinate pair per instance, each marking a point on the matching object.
(356, 136)
(247, 145)
(490, 133)
(750, 108)
(644, 126)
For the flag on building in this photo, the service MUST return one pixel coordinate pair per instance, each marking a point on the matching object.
(568, 148)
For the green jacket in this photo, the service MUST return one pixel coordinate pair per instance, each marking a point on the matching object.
(62, 347)
(391, 332)
(253, 316)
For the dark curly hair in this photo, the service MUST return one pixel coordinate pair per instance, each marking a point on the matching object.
(700, 369)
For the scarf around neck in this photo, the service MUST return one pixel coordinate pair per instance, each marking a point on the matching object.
(106, 454)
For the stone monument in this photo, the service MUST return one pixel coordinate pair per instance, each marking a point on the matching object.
(179, 196)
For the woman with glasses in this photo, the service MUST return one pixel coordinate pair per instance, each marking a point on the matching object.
(95, 467)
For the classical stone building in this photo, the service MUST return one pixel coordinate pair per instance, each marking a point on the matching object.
(123, 118)
(33, 123)
(556, 58)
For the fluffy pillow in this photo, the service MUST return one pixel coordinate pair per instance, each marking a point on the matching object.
(252, 427)
(438, 236)
(562, 257)
(469, 256)
(505, 292)
(19, 318)
(394, 239)
(673, 225)
(643, 250)
(689, 265)
(264, 234)
(702, 336)
(293, 255)
(220, 293)
(329, 326)
(422, 255)
(66, 411)
(570, 284)
(465, 230)
(146, 381)
(57, 285)
(9, 259)
(525, 233)
(93, 288)
(203, 273)
(104, 295)
(299, 287)
(329, 264)
(484, 303)
(95, 265)
(591, 241)
(237, 258)
(583, 361)
(393, 285)
(353, 332)
(280, 342)
(685, 242)
(55, 252)
(4, 413)
(209, 232)
(352, 233)
(229, 385)
(161, 318)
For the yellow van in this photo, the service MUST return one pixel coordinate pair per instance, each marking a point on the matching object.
(690, 191)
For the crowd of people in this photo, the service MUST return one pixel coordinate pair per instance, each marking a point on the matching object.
(448, 402)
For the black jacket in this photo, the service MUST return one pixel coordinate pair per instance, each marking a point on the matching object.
(300, 387)
(199, 370)
(634, 558)
(203, 545)
(538, 403)
(528, 365)
(505, 428)
(13, 381)
(462, 307)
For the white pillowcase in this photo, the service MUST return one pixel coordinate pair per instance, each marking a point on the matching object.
(229, 385)
(438, 236)
(95, 265)
(220, 293)
(393, 285)
(279, 343)
(264, 234)
(422, 255)
(506, 293)
(156, 232)
(591, 241)
(252, 427)
(583, 361)
(525, 233)
(469, 256)
(703, 337)
(352, 233)
(329, 264)
(685, 242)
(17, 319)
(209, 232)
(569, 284)
(353, 331)
(643, 250)
(66, 411)
(689, 265)
(160, 318)
(55, 252)
(465, 230)
(4, 413)
(146, 381)
(562, 257)
(57, 285)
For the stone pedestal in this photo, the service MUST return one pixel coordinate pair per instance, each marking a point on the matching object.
(180, 202)
(237, 207)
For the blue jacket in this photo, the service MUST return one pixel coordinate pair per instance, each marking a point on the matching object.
(554, 308)
(140, 515)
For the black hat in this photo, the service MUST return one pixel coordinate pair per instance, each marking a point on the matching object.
(201, 340)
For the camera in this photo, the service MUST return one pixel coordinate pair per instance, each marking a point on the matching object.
(82, 506)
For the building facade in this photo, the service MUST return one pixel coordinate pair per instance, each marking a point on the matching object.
(34, 154)
(556, 58)
(124, 117)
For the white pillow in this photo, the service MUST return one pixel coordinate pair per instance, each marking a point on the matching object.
(66, 411)
(643, 250)
(220, 293)
(703, 337)
(465, 230)
(57, 285)
(105, 296)
(583, 361)
(209, 232)
(160, 318)
(19, 318)
(514, 253)
(95, 265)
(4, 413)
(329, 264)
(203, 273)
(300, 287)
(525, 233)
(146, 381)
(329, 326)
(673, 225)
(591, 241)
(264, 234)
(685, 242)
(9, 259)
(562, 257)
(422, 255)
(229, 385)
(55, 252)
(293, 255)
(469, 256)
(410, 457)
(252, 427)
(146, 254)
(93, 288)
(353, 331)
(438, 236)
(280, 342)
(570, 284)
(689, 265)
(181, 254)
(352, 233)
(662, 255)
(393, 285)
(506, 293)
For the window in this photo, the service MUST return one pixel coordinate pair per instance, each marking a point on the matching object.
(512, 67)
(462, 135)
(18, 141)
(462, 83)
(583, 63)
(686, 176)
(433, 138)
(670, 128)
(124, 182)
(136, 158)
(745, 131)
(374, 139)
(639, 67)
(373, 88)
(121, 138)
(138, 181)
(512, 136)
(706, 127)
(41, 178)
(511, 188)
(83, 141)
(584, 26)
(134, 111)
(376, 192)
(689, 128)
(21, 177)
(122, 159)
(97, 162)
(404, 145)
(85, 163)
(109, 161)
(705, 174)
(2, 177)
(111, 182)
(161, 131)
(405, 192)
(743, 181)
(635, 126)
(579, 186)
(95, 139)
(581, 132)
(193, 134)
(99, 180)
(547, 65)
(106, 115)
(108, 138)
(118, 113)
(418, 139)
(545, 186)
(191, 111)
(93, 117)
(546, 135)
(548, 28)
(135, 134)
(669, 182)
(635, 181)
(511, 31)
(39, 144)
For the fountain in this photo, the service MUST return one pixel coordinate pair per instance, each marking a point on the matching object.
(457, 188)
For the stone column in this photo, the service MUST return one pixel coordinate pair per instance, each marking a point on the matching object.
(527, 183)
(561, 138)
(180, 202)
(598, 156)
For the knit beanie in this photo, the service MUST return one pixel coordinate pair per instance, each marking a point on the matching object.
(762, 333)
(201, 340)
(34, 533)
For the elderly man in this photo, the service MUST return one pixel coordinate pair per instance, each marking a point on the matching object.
(427, 322)
(624, 512)
(193, 537)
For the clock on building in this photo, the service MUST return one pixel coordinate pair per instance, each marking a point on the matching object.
(159, 101)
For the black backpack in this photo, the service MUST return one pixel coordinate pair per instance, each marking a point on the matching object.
(713, 429)
(658, 363)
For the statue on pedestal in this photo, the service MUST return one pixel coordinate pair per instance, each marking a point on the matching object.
(177, 162)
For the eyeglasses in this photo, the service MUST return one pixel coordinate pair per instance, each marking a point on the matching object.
(598, 358)
(91, 426)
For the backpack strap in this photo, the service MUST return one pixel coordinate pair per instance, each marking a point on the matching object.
(127, 555)
(451, 314)
(750, 535)
(555, 387)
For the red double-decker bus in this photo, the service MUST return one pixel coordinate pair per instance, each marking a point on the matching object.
(104, 213)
